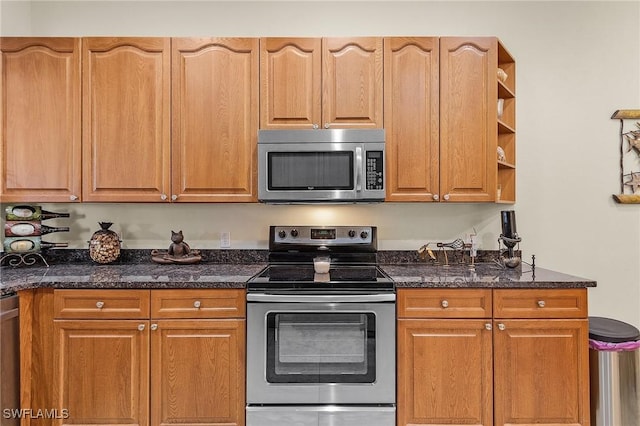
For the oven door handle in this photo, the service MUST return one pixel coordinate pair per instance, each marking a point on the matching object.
(358, 169)
(320, 298)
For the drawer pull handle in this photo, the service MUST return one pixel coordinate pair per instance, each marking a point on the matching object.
(488, 326)
(501, 327)
(445, 304)
(196, 304)
(141, 327)
(541, 303)
(100, 304)
(154, 327)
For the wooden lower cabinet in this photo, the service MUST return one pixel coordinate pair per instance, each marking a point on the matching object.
(197, 372)
(102, 370)
(149, 371)
(539, 372)
(444, 372)
(523, 361)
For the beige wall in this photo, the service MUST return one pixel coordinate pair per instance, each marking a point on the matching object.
(577, 63)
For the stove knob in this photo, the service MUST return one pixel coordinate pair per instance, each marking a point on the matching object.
(294, 233)
(364, 234)
(282, 234)
(352, 233)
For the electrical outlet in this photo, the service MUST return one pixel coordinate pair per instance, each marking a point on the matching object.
(225, 239)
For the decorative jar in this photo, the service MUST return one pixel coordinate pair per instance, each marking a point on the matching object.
(104, 246)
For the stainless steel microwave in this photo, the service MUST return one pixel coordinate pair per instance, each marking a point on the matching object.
(321, 166)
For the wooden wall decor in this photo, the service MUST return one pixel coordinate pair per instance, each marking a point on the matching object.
(632, 179)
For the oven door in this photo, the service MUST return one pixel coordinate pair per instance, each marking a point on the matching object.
(320, 352)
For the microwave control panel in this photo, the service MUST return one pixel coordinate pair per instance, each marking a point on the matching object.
(375, 170)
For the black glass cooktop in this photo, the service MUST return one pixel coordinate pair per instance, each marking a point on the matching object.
(303, 276)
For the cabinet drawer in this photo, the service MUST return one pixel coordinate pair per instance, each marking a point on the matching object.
(112, 304)
(444, 303)
(543, 303)
(210, 303)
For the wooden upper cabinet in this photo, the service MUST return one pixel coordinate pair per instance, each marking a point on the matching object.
(321, 83)
(40, 158)
(215, 119)
(468, 117)
(411, 103)
(126, 127)
(352, 83)
(290, 82)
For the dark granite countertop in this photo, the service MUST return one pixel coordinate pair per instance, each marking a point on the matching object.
(232, 269)
(151, 275)
(484, 275)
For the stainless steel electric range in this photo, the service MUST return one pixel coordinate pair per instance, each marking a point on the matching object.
(321, 331)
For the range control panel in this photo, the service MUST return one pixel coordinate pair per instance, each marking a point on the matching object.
(322, 235)
(375, 170)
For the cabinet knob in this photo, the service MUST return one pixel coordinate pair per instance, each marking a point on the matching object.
(326, 125)
(100, 304)
(196, 304)
(73, 197)
(174, 197)
(436, 197)
(315, 126)
(163, 197)
(501, 327)
(154, 327)
(488, 326)
(541, 303)
(445, 303)
(446, 197)
(141, 327)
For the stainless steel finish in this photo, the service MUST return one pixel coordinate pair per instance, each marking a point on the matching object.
(326, 415)
(299, 235)
(259, 391)
(320, 298)
(9, 359)
(615, 388)
(321, 140)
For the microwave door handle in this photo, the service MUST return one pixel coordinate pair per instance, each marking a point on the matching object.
(358, 169)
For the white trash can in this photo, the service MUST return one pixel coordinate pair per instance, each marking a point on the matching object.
(614, 363)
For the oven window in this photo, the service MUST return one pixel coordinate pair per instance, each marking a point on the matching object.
(319, 347)
(310, 170)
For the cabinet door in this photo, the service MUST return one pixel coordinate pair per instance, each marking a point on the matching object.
(445, 373)
(541, 372)
(215, 119)
(352, 82)
(198, 372)
(468, 116)
(40, 120)
(126, 128)
(290, 83)
(411, 102)
(102, 371)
